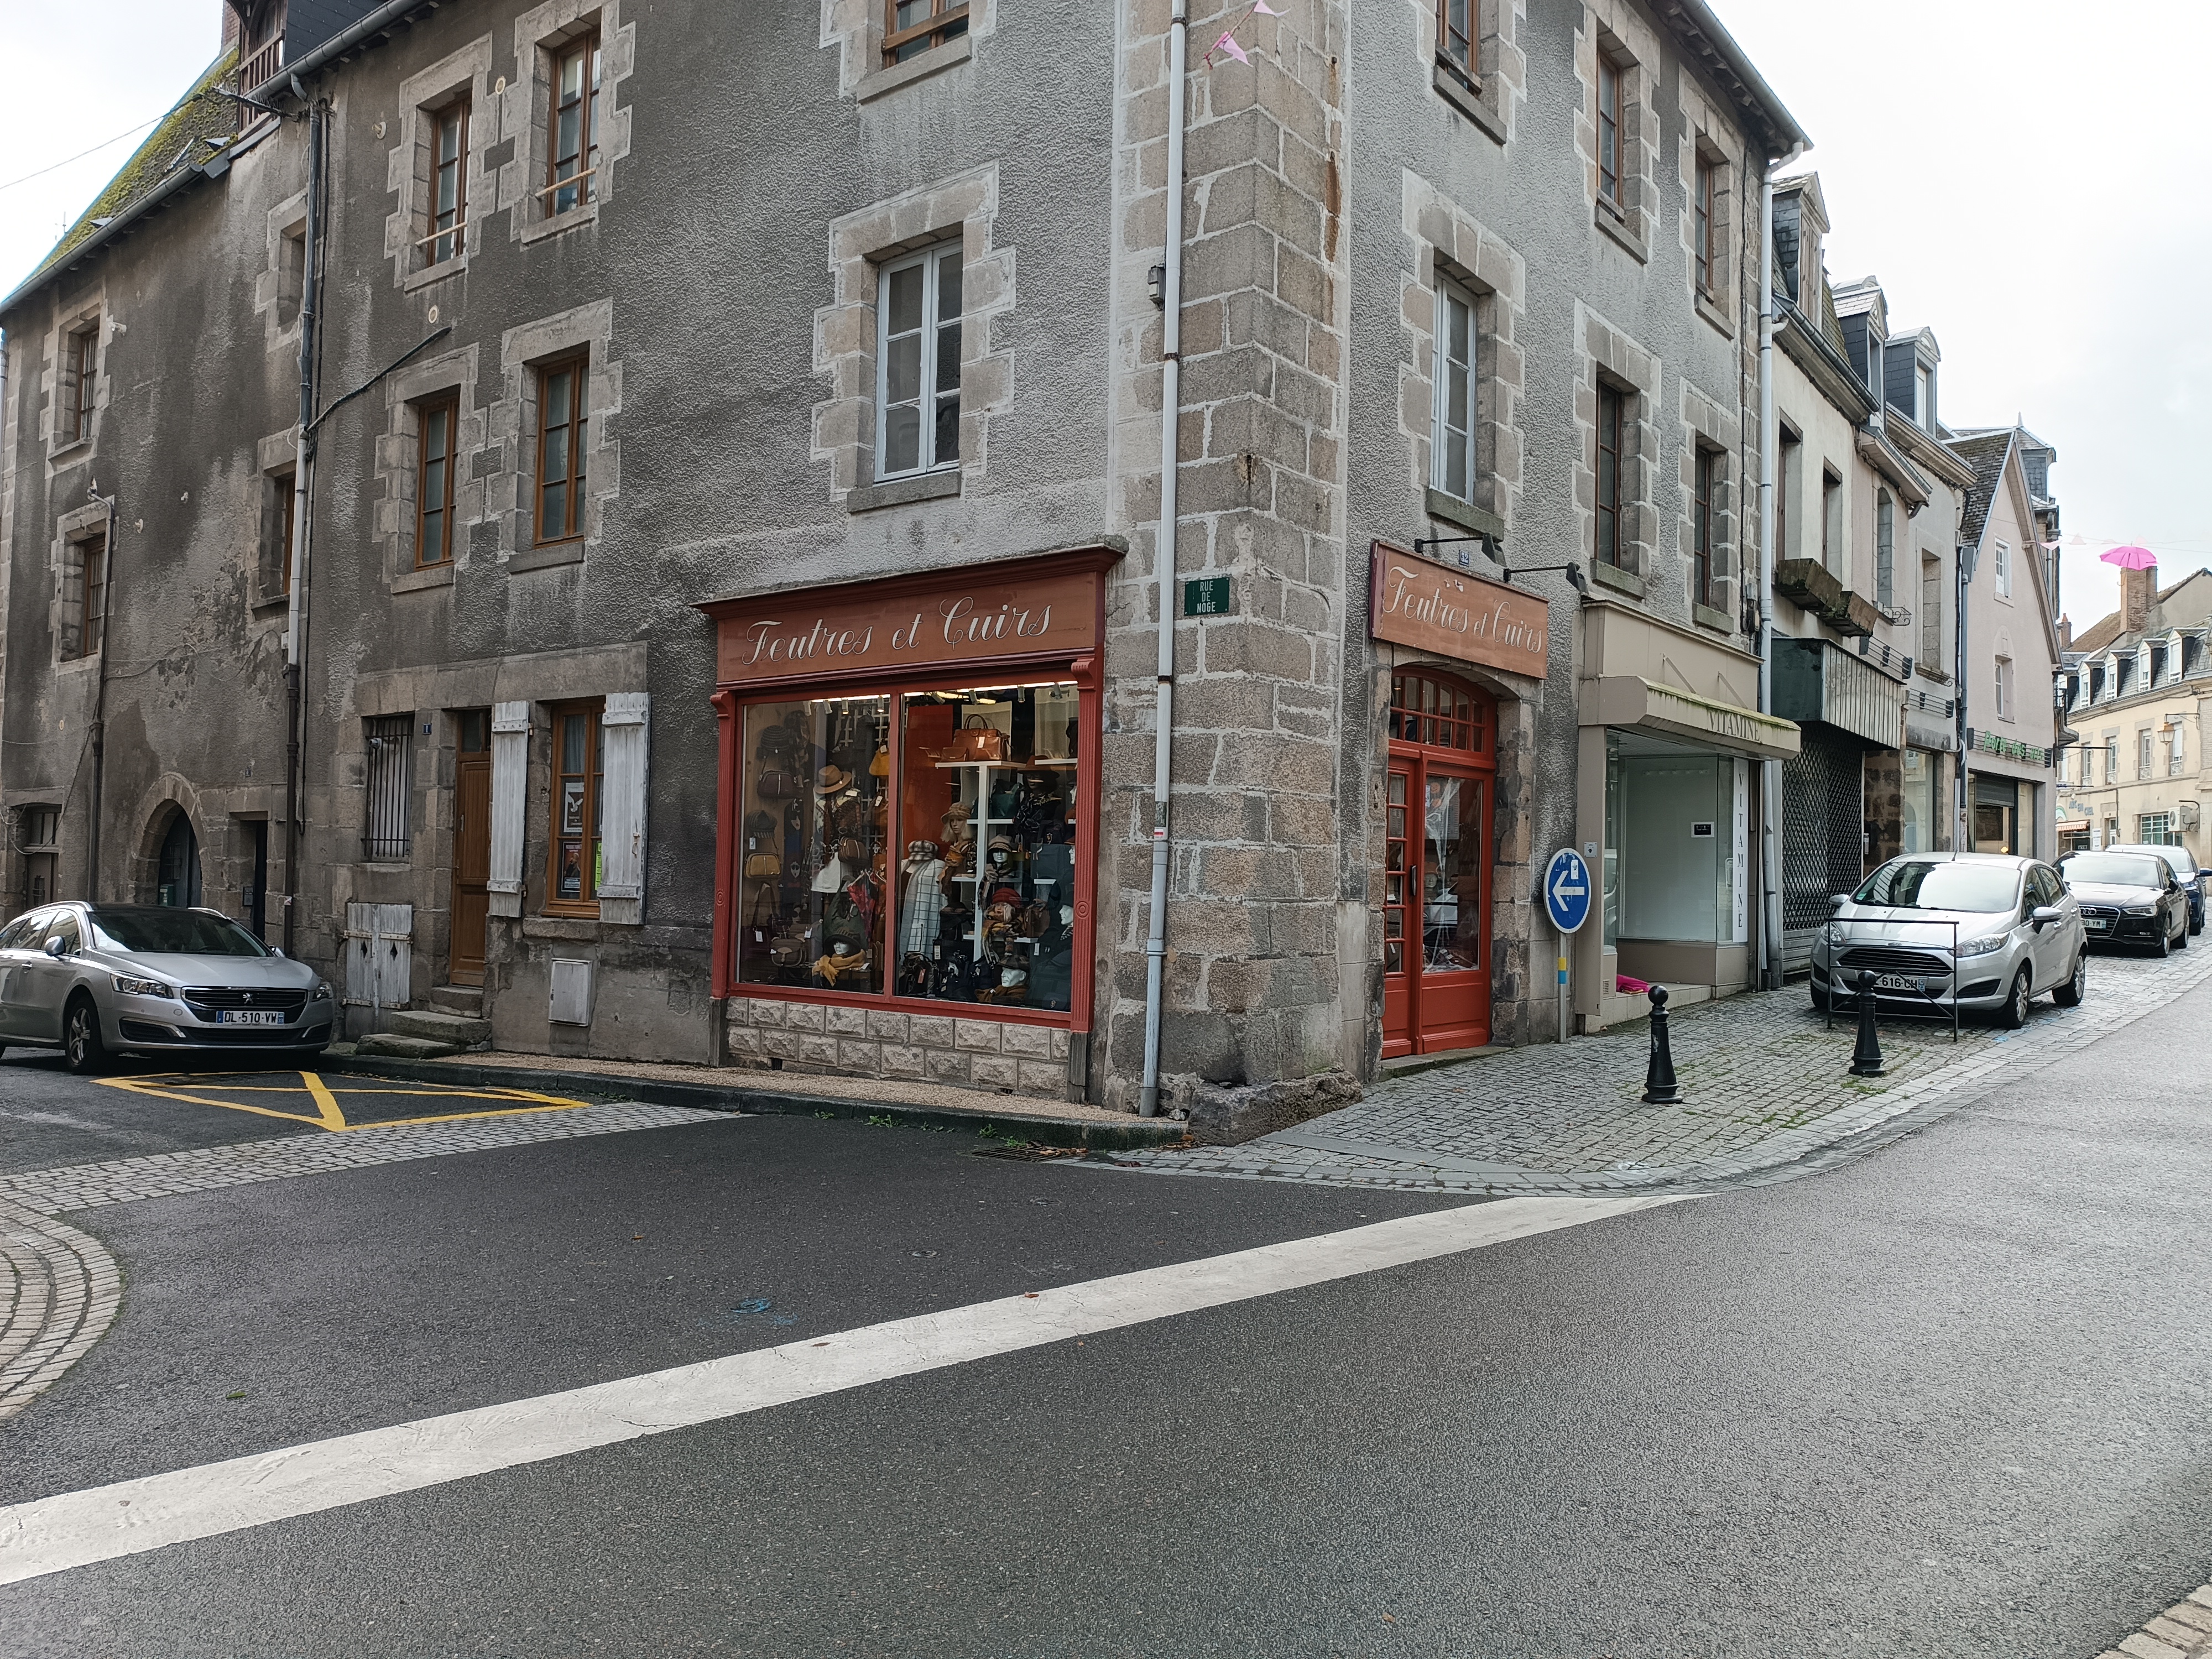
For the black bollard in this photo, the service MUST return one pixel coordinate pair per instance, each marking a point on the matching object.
(1865, 1059)
(1659, 1088)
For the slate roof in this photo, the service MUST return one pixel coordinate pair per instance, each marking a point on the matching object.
(1985, 453)
(2106, 632)
(202, 121)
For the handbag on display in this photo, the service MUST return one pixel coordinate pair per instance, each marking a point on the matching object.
(949, 979)
(912, 974)
(789, 950)
(760, 866)
(979, 741)
(880, 767)
(774, 784)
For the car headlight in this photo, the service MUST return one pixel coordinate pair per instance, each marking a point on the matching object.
(143, 987)
(322, 992)
(1834, 932)
(2141, 910)
(1982, 947)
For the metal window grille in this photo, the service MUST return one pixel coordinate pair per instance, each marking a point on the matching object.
(389, 834)
(1823, 831)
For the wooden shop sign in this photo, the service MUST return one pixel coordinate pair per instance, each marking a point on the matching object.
(1417, 602)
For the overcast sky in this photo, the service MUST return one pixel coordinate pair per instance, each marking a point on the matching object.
(2025, 176)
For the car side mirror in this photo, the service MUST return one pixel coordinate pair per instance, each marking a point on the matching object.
(1837, 902)
(2044, 915)
(56, 949)
(276, 953)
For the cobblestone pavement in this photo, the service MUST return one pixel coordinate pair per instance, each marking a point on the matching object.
(58, 1297)
(1764, 1086)
(121, 1181)
(2183, 1630)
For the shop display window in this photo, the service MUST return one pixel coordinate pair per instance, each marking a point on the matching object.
(920, 845)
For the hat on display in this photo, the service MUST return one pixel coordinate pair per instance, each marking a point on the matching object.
(831, 779)
(830, 877)
(1002, 844)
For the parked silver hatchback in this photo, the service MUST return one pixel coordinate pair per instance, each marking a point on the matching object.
(1985, 929)
(92, 980)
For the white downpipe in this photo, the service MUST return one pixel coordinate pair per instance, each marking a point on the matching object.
(1770, 449)
(1163, 556)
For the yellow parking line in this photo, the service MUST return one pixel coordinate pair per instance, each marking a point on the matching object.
(328, 1115)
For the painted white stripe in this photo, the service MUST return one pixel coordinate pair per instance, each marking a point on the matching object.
(74, 1529)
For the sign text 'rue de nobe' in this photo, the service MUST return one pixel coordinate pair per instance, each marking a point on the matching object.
(1413, 602)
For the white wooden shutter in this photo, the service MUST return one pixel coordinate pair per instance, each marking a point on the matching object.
(510, 787)
(379, 955)
(622, 808)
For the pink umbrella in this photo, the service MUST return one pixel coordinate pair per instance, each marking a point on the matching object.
(2130, 558)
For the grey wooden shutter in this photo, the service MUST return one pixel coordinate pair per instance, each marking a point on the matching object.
(622, 813)
(510, 786)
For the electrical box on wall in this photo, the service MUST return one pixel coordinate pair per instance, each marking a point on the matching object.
(572, 993)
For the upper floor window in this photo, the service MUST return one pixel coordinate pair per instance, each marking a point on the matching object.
(563, 392)
(1701, 527)
(1924, 396)
(1458, 390)
(1610, 90)
(91, 597)
(1612, 430)
(1707, 188)
(2003, 570)
(283, 486)
(1792, 479)
(2004, 688)
(83, 368)
(918, 363)
(449, 192)
(1831, 518)
(1455, 34)
(572, 128)
(1931, 611)
(1885, 550)
(914, 25)
(2143, 753)
(434, 481)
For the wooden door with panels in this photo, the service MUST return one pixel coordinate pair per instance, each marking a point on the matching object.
(1438, 812)
(472, 903)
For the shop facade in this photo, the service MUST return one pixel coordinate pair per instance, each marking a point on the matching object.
(907, 823)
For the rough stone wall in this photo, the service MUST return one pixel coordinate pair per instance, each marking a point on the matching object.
(828, 1040)
(1252, 976)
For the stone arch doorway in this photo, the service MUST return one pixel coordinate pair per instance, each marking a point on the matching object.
(1438, 817)
(177, 864)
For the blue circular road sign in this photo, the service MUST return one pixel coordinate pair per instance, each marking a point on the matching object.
(1567, 890)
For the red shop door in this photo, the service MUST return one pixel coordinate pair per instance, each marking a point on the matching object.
(1437, 871)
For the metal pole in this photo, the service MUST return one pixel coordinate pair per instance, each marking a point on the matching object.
(1770, 771)
(1563, 988)
(1163, 557)
(99, 733)
(295, 621)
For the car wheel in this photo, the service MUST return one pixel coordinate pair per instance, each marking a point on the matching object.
(81, 1043)
(2014, 1014)
(2164, 948)
(2181, 939)
(2069, 994)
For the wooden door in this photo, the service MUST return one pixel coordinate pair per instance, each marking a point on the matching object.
(471, 853)
(1437, 976)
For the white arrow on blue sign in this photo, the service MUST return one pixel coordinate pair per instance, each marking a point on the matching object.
(1567, 891)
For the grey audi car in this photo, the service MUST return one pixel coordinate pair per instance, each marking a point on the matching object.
(1988, 929)
(94, 979)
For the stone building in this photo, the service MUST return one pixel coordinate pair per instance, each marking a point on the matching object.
(721, 577)
(2134, 688)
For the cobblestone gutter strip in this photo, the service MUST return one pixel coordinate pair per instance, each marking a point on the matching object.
(2183, 1630)
(61, 1293)
(1769, 1099)
(160, 1175)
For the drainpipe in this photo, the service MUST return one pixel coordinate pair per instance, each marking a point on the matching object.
(1770, 771)
(1962, 582)
(99, 733)
(1164, 554)
(296, 621)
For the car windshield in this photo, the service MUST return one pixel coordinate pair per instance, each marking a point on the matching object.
(1919, 885)
(173, 932)
(2116, 869)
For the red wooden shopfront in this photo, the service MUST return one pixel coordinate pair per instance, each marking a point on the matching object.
(1437, 816)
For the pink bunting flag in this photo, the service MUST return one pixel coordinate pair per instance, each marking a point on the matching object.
(1227, 43)
(1264, 9)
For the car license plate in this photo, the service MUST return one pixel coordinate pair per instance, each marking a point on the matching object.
(1896, 983)
(249, 1017)
(2097, 924)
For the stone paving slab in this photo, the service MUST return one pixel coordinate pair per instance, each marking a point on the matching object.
(2183, 1630)
(1764, 1086)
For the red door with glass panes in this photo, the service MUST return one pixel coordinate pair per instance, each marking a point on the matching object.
(1435, 875)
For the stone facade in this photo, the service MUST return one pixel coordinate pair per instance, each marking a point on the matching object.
(758, 169)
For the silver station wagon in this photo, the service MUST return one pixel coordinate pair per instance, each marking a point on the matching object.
(1989, 930)
(92, 980)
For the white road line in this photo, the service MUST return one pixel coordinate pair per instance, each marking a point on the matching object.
(74, 1530)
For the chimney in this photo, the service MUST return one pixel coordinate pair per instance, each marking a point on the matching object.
(2066, 633)
(2138, 589)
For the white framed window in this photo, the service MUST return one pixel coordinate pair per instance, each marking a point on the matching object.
(2004, 570)
(1923, 397)
(2156, 830)
(2143, 753)
(918, 363)
(2177, 757)
(1458, 391)
(2004, 688)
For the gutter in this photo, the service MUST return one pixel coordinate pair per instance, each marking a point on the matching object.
(1695, 18)
(347, 41)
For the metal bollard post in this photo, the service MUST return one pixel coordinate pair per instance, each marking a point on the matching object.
(1865, 1059)
(1659, 1088)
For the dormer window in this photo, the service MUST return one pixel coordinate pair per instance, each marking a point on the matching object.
(1924, 396)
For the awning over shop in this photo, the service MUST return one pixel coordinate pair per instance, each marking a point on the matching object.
(1817, 680)
(1630, 700)
(1925, 734)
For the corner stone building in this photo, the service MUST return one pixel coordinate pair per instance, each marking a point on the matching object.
(728, 609)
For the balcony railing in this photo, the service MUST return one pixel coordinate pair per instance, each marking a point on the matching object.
(256, 70)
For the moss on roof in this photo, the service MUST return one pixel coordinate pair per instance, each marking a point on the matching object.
(201, 114)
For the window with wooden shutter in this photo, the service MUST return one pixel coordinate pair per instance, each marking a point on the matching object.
(510, 786)
(622, 826)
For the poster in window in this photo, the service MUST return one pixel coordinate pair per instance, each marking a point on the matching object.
(572, 870)
(572, 808)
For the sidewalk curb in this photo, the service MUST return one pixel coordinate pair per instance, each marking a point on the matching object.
(1043, 1131)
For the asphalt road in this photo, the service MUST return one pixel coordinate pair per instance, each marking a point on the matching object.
(1948, 1400)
